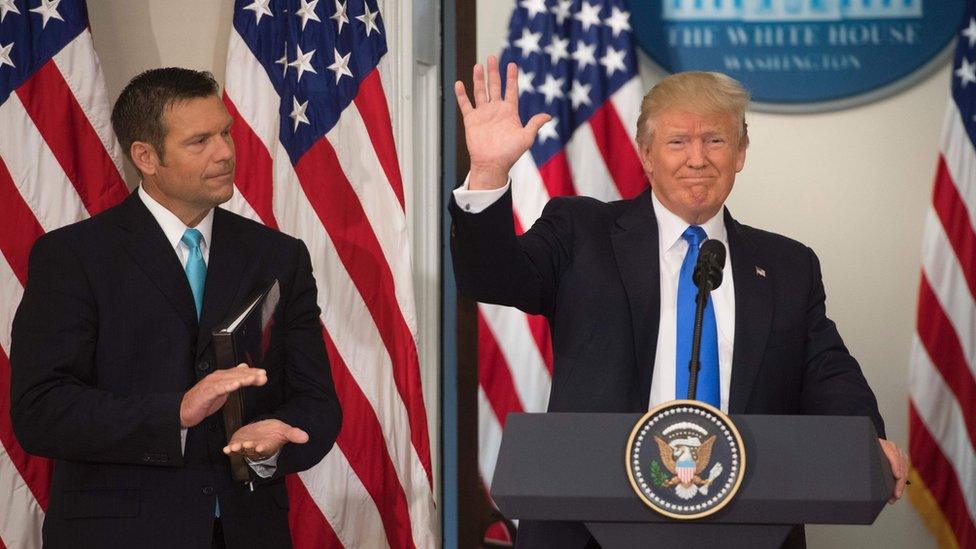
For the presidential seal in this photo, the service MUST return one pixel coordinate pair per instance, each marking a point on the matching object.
(685, 459)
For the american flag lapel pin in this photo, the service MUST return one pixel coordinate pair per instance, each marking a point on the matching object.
(760, 271)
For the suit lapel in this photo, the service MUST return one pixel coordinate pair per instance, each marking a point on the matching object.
(225, 271)
(635, 247)
(148, 247)
(753, 314)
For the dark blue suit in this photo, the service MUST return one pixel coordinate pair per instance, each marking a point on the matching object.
(592, 269)
(106, 341)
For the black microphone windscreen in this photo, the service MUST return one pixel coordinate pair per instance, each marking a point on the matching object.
(711, 261)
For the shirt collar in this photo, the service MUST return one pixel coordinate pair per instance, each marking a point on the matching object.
(670, 227)
(172, 227)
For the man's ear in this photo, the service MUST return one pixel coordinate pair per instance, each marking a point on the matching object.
(645, 158)
(144, 157)
(740, 159)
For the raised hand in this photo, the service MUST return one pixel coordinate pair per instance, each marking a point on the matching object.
(210, 393)
(492, 128)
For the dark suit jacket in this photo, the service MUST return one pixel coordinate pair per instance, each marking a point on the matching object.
(106, 342)
(592, 268)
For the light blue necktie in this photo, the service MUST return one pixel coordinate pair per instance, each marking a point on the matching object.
(708, 383)
(196, 269)
(196, 275)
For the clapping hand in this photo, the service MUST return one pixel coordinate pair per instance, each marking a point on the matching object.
(493, 131)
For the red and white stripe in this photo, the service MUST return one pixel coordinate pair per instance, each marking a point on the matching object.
(942, 384)
(514, 349)
(345, 199)
(59, 163)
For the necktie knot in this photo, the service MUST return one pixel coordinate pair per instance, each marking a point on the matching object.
(695, 235)
(192, 238)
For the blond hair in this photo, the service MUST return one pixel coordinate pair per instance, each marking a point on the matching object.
(707, 93)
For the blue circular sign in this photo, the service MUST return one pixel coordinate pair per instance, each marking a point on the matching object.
(801, 55)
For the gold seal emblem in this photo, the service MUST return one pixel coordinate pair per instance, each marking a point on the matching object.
(685, 459)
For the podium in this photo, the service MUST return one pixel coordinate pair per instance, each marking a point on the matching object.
(800, 470)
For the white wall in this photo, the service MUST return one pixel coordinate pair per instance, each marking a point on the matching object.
(132, 36)
(854, 185)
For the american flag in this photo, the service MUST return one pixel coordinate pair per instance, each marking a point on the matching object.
(942, 383)
(59, 163)
(316, 159)
(577, 62)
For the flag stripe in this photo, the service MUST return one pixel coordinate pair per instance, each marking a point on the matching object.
(941, 269)
(253, 95)
(78, 149)
(557, 176)
(945, 351)
(20, 521)
(363, 445)
(960, 156)
(347, 317)
(82, 73)
(944, 422)
(530, 376)
(371, 103)
(627, 102)
(35, 471)
(529, 196)
(11, 292)
(341, 213)
(252, 158)
(305, 520)
(940, 479)
(496, 382)
(345, 504)
(539, 327)
(952, 211)
(348, 320)
(590, 174)
(615, 146)
(18, 228)
(489, 433)
(360, 166)
(35, 170)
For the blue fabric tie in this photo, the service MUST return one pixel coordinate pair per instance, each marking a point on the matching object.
(708, 383)
(196, 275)
(196, 269)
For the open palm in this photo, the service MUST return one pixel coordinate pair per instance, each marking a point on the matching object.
(493, 130)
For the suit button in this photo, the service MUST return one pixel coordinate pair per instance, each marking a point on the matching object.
(212, 426)
(203, 366)
(208, 490)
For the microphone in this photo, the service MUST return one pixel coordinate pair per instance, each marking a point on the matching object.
(711, 261)
(707, 276)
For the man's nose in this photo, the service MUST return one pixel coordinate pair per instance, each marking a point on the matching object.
(696, 155)
(225, 149)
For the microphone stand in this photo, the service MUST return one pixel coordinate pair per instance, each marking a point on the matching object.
(695, 363)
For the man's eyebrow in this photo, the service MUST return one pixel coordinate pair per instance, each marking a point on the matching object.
(197, 136)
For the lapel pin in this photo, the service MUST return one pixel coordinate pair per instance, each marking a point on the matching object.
(760, 271)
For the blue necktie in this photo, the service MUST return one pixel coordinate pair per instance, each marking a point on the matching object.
(196, 275)
(708, 384)
(196, 269)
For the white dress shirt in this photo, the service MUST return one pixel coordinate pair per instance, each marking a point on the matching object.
(671, 253)
(173, 228)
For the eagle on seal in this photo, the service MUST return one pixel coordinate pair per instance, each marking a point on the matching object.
(685, 459)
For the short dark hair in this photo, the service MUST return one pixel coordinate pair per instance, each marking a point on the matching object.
(138, 112)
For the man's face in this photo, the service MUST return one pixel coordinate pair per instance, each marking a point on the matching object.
(691, 162)
(197, 170)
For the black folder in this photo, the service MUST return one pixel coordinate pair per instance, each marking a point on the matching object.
(244, 337)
